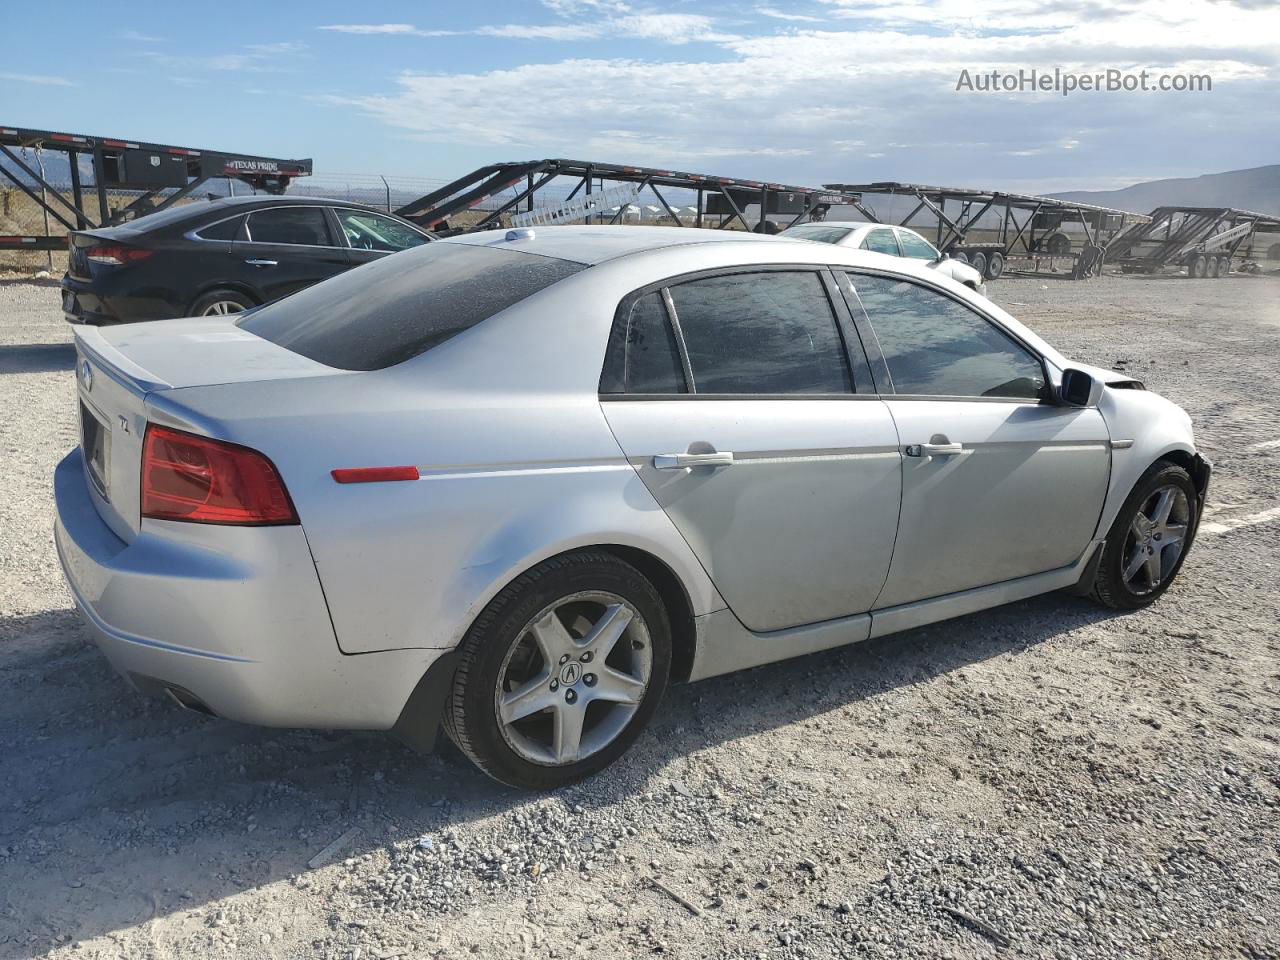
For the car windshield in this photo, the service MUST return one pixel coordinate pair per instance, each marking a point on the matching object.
(401, 306)
(819, 232)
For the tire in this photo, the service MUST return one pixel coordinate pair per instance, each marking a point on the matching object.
(1197, 268)
(995, 265)
(1273, 252)
(218, 303)
(1059, 245)
(502, 655)
(1123, 547)
(1224, 266)
(960, 257)
(1211, 268)
(979, 262)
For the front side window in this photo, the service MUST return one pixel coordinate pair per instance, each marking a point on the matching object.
(881, 241)
(936, 346)
(395, 308)
(370, 231)
(772, 332)
(916, 247)
(301, 226)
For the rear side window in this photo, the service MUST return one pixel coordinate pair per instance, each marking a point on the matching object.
(302, 226)
(223, 230)
(762, 333)
(642, 355)
(398, 307)
(881, 241)
(936, 346)
(817, 232)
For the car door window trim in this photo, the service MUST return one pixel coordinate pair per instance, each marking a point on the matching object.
(854, 354)
(884, 366)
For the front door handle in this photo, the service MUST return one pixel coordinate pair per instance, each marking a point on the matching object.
(934, 449)
(679, 461)
(261, 263)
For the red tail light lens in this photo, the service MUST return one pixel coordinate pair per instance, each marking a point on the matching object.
(116, 256)
(192, 478)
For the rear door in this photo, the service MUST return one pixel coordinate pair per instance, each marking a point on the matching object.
(287, 248)
(739, 401)
(997, 483)
(371, 236)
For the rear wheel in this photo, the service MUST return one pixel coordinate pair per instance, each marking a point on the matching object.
(218, 303)
(979, 262)
(1211, 269)
(995, 265)
(1149, 539)
(561, 672)
(960, 257)
(1198, 268)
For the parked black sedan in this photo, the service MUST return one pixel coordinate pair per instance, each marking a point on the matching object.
(222, 256)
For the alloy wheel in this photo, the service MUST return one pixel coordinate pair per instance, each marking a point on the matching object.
(573, 679)
(220, 308)
(1156, 538)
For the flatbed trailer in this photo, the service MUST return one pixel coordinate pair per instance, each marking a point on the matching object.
(982, 227)
(528, 192)
(1205, 242)
(151, 169)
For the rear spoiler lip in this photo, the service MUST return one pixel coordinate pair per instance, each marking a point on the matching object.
(94, 347)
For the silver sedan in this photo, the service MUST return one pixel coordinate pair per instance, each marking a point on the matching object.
(515, 483)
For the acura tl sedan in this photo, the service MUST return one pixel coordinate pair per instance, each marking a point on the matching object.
(896, 242)
(515, 483)
(222, 256)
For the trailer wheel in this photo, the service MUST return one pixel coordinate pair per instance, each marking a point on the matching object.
(1224, 266)
(1211, 270)
(995, 265)
(979, 262)
(1059, 245)
(1273, 252)
(1198, 268)
(960, 257)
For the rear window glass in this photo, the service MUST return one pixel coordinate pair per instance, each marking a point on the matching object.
(817, 232)
(400, 306)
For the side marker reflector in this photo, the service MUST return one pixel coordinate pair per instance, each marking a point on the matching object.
(374, 474)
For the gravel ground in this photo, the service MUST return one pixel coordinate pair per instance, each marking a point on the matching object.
(1044, 780)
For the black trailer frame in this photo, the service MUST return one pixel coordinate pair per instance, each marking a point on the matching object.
(1203, 240)
(151, 168)
(467, 192)
(1038, 240)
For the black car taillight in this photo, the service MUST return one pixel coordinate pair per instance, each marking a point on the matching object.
(116, 256)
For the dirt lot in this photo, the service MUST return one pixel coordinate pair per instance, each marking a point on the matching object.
(1044, 780)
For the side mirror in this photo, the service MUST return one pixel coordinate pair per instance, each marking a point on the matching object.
(1079, 389)
(943, 256)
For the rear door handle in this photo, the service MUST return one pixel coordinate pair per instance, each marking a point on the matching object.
(934, 449)
(261, 263)
(679, 461)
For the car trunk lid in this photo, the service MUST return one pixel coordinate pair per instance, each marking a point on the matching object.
(118, 369)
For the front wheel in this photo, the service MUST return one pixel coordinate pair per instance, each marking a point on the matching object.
(560, 672)
(1149, 539)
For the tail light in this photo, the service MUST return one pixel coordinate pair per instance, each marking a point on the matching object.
(116, 256)
(199, 480)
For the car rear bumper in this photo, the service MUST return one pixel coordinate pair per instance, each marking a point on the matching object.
(95, 302)
(230, 620)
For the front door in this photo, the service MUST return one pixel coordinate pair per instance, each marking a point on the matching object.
(996, 483)
(733, 397)
(371, 236)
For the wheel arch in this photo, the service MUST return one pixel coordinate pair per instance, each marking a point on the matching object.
(675, 597)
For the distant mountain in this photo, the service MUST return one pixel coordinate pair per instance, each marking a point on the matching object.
(1257, 188)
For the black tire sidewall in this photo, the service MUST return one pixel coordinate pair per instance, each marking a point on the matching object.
(1111, 587)
(491, 638)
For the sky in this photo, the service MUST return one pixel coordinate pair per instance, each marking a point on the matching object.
(797, 91)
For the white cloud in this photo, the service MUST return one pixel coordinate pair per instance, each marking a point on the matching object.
(612, 21)
(251, 58)
(385, 29)
(872, 94)
(776, 14)
(41, 79)
(138, 37)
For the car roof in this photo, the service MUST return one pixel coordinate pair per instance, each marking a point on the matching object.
(596, 244)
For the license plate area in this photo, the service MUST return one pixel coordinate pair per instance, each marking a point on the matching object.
(95, 445)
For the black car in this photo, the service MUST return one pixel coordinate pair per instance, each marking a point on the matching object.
(222, 256)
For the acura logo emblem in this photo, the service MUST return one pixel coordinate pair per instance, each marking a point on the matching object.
(571, 673)
(86, 374)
